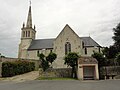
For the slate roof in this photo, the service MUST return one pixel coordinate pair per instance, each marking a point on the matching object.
(88, 41)
(41, 44)
(48, 43)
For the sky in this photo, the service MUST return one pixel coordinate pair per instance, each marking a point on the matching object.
(95, 18)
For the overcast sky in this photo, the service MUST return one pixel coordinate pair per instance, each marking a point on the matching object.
(86, 17)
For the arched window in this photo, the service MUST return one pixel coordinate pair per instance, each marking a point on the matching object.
(67, 47)
(28, 33)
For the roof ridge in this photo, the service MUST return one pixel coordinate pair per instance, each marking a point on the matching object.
(45, 39)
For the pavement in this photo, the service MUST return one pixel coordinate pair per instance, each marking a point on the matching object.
(27, 82)
(60, 85)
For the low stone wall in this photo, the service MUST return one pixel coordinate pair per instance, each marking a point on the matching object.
(8, 59)
(110, 70)
(56, 72)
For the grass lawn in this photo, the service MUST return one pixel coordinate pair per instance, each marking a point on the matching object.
(54, 78)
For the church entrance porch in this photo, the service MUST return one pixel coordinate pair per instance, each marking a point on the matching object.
(87, 69)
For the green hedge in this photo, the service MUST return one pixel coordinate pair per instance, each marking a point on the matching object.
(17, 67)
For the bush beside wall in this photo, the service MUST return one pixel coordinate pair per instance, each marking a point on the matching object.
(16, 67)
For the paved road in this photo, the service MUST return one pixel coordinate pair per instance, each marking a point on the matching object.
(61, 85)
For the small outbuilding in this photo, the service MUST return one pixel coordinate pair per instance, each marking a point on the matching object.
(87, 68)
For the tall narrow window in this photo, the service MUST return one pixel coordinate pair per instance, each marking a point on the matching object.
(99, 49)
(28, 33)
(85, 50)
(83, 44)
(38, 52)
(67, 47)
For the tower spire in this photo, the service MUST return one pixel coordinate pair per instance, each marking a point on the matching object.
(30, 2)
(29, 18)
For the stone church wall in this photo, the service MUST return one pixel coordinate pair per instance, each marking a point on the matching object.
(66, 35)
(90, 51)
(32, 54)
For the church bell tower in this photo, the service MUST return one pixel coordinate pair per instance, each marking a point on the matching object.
(28, 33)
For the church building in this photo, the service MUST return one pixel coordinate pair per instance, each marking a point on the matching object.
(67, 41)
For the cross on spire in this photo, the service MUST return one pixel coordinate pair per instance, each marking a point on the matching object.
(30, 2)
(29, 19)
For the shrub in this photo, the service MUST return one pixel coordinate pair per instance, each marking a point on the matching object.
(17, 67)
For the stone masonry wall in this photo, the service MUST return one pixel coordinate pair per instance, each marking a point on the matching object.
(56, 72)
(110, 70)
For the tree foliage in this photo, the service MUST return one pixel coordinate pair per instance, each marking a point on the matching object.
(110, 52)
(45, 60)
(16, 67)
(100, 58)
(116, 37)
(1, 56)
(71, 60)
(118, 58)
(51, 57)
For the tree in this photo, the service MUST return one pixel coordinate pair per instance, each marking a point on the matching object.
(71, 60)
(45, 60)
(102, 61)
(51, 57)
(1, 56)
(110, 52)
(100, 58)
(116, 37)
(118, 58)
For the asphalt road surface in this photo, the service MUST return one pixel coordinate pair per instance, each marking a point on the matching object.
(61, 85)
